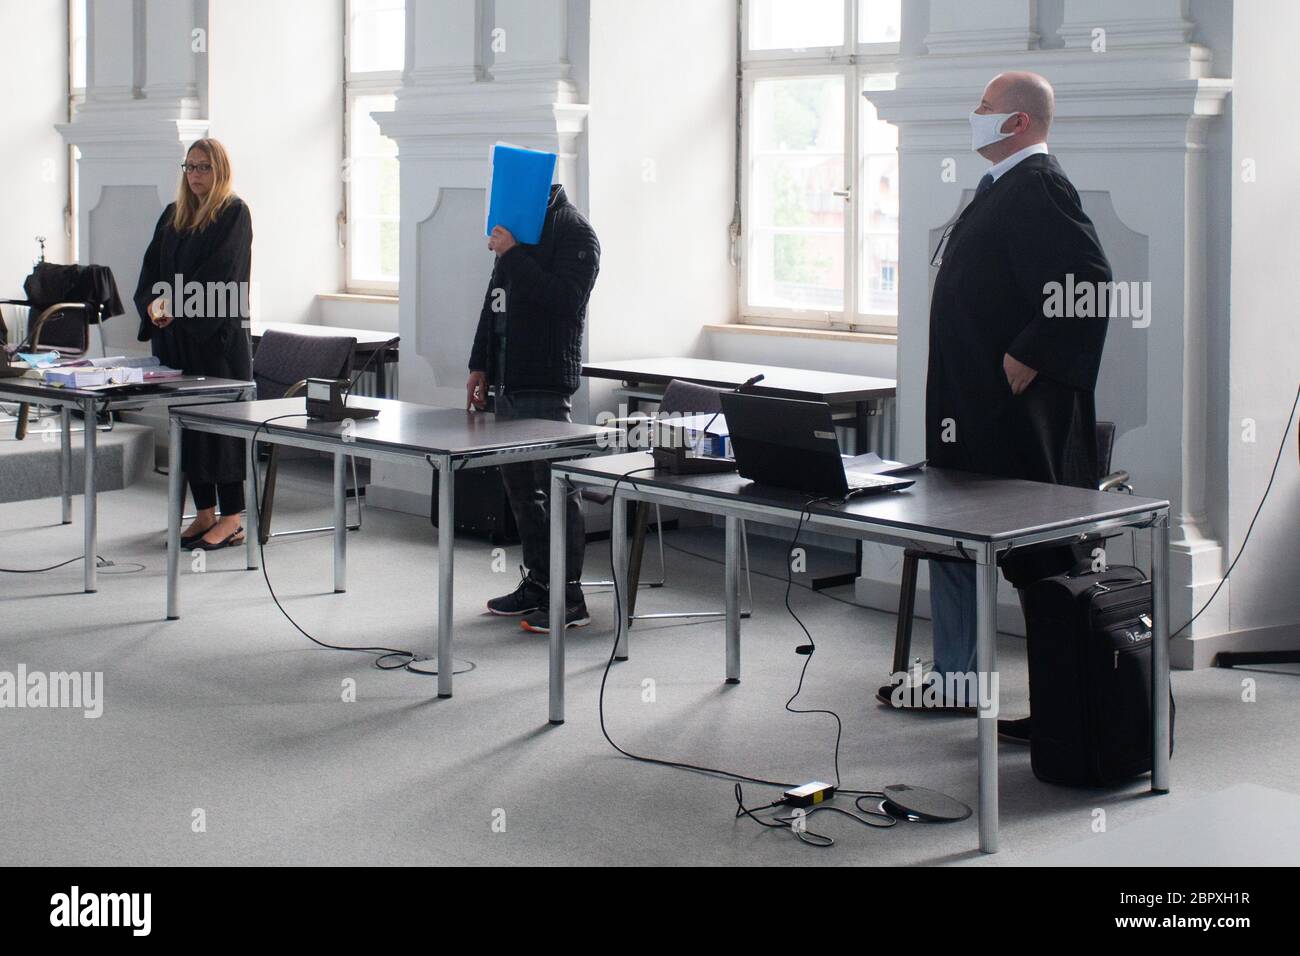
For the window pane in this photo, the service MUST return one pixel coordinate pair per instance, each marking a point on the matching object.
(77, 44)
(878, 210)
(795, 24)
(376, 35)
(879, 21)
(795, 258)
(373, 195)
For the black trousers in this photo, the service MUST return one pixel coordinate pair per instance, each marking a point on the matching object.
(528, 486)
(207, 493)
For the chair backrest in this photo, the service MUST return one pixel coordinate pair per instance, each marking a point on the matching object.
(687, 398)
(283, 358)
(67, 330)
(1105, 447)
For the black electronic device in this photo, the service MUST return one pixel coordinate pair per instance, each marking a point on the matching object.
(791, 444)
(671, 454)
(920, 804)
(327, 401)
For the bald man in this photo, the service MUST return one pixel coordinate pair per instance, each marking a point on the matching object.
(1009, 391)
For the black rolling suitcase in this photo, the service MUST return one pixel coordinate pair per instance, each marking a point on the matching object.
(1089, 636)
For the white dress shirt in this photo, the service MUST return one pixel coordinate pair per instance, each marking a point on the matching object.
(997, 169)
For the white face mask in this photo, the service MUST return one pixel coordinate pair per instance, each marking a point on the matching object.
(986, 129)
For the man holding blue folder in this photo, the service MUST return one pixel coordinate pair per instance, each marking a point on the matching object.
(528, 347)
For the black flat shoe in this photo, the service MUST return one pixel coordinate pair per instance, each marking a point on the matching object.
(229, 542)
(188, 542)
(1016, 731)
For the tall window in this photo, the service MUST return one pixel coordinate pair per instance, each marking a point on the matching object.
(374, 46)
(76, 100)
(820, 170)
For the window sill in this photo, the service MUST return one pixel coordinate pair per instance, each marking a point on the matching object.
(358, 297)
(823, 335)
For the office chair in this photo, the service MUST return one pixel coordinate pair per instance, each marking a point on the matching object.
(62, 326)
(66, 300)
(1113, 481)
(680, 398)
(281, 366)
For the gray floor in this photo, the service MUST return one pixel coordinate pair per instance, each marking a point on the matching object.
(231, 711)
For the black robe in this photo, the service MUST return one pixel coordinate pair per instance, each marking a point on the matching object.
(1025, 231)
(213, 345)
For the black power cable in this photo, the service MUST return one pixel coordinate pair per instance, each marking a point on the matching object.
(383, 652)
(100, 562)
(1281, 445)
(681, 765)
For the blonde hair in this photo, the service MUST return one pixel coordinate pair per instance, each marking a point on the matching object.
(192, 212)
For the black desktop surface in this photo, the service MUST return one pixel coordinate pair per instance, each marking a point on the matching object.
(956, 503)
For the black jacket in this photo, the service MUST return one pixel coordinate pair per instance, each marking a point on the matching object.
(544, 292)
(201, 344)
(989, 299)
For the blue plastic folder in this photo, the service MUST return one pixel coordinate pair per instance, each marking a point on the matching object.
(519, 187)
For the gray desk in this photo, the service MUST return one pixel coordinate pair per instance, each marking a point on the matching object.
(446, 438)
(185, 391)
(868, 401)
(369, 342)
(871, 399)
(944, 512)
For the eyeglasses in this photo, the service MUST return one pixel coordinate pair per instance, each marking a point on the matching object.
(936, 260)
(197, 167)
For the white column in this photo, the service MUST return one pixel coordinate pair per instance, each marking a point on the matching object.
(1136, 106)
(141, 111)
(469, 81)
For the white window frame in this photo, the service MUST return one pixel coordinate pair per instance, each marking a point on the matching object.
(355, 85)
(853, 62)
(77, 11)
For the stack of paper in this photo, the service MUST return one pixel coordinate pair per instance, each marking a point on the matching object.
(93, 377)
(76, 377)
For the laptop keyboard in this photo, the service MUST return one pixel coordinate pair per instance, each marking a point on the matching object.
(861, 482)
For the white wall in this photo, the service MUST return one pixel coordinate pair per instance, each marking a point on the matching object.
(1265, 350)
(276, 103)
(661, 155)
(33, 160)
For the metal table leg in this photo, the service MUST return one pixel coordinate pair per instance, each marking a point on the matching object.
(731, 573)
(174, 506)
(341, 523)
(91, 539)
(618, 542)
(65, 461)
(986, 666)
(1160, 654)
(446, 558)
(558, 547)
(252, 524)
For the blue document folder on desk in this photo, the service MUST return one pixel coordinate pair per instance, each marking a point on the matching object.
(519, 187)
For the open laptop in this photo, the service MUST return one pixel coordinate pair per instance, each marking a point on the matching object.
(791, 444)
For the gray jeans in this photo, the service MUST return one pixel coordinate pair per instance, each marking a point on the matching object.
(528, 486)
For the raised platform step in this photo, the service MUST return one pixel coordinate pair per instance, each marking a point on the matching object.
(29, 469)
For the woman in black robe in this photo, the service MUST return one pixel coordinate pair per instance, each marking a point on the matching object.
(192, 296)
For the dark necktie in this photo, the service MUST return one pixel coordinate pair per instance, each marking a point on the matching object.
(985, 182)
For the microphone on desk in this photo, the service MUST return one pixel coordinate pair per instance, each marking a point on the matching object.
(739, 388)
(677, 461)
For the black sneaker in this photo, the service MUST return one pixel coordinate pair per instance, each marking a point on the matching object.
(525, 599)
(575, 613)
(1016, 731)
(918, 697)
